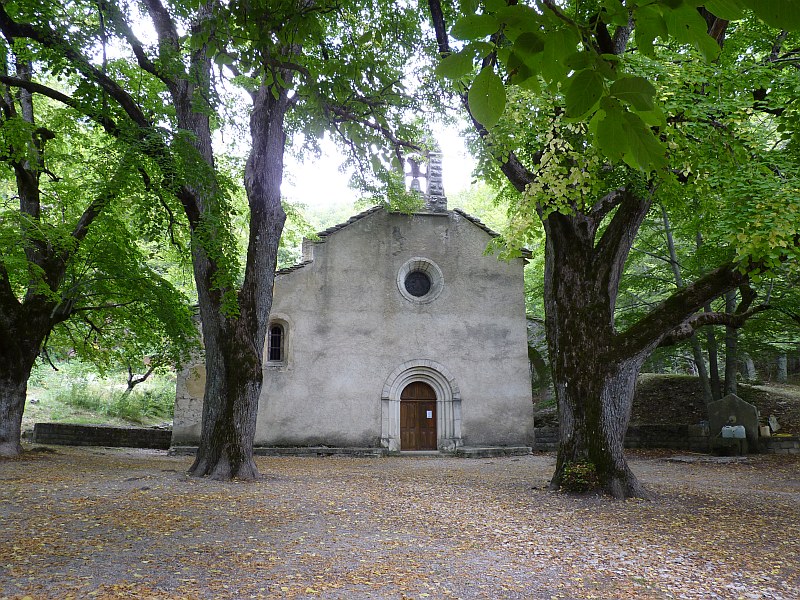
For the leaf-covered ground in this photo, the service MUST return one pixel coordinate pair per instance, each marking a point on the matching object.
(109, 523)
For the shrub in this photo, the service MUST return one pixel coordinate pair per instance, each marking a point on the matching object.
(80, 395)
(156, 401)
(579, 477)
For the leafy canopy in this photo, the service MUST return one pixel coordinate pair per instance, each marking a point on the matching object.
(573, 50)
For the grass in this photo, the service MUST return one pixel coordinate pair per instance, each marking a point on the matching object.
(76, 394)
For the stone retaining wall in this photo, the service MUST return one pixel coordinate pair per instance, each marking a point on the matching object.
(65, 434)
(780, 445)
(693, 438)
(545, 439)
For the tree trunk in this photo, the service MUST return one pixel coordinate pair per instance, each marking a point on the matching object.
(713, 359)
(783, 369)
(133, 380)
(750, 372)
(731, 347)
(697, 350)
(702, 371)
(234, 345)
(17, 358)
(13, 390)
(594, 383)
(594, 366)
(541, 380)
(594, 405)
(230, 402)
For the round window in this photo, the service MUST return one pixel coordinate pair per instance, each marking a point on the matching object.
(420, 280)
(418, 283)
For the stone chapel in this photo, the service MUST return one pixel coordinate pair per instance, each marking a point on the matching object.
(395, 331)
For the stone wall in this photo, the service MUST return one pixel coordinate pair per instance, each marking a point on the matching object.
(545, 439)
(780, 445)
(65, 434)
(693, 438)
(354, 336)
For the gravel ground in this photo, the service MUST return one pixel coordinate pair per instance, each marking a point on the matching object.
(117, 523)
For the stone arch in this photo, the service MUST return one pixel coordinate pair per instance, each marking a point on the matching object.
(448, 403)
(287, 326)
(430, 269)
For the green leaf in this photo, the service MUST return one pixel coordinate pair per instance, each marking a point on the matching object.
(579, 61)
(782, 14)
(487, 98)
(529, 44)
(650, 24)
(708, 47)
(455, 66)
(653, 118)
(523, 74)
(583, 92)
(558, 46)
(519, 19)
(473, 27)
(479, 49)
(611, 135)
(531, 84)
(494, 5)
(645, 151)
(636, 91)
(224, 59)
(616, 13)
(729, 10)
(685, 24)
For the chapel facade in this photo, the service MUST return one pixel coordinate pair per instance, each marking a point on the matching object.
(395, 331)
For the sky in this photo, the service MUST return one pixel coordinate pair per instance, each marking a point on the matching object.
(319, 183)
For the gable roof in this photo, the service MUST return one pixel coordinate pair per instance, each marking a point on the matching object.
(476, 221)
(324, 235)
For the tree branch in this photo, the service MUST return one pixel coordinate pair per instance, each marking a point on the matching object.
(647, 333)
(7, 295)
(119, 22)
(98, 117)
(606, 204)
(102, 306)
(692, 324)
(558, 12)
(778, 45)
(518, 175)
(165, 27)
(133, 381)
(51, 39)
(345, 115)
(615, 244)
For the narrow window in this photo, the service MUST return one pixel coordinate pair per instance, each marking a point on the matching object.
(275, 342)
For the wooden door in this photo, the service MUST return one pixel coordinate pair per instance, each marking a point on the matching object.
(418, 417)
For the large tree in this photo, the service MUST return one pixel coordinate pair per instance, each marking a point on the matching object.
(71, 273)
(299, 66)
(573, 103)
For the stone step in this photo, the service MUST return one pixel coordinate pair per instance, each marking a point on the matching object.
(492, 451)
(297, 451)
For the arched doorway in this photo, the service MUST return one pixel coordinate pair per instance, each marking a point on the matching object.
(448, 403)
(418, 417)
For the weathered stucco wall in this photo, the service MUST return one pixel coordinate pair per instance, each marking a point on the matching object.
(352, 338)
